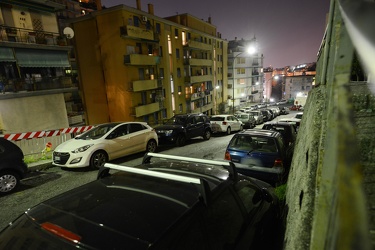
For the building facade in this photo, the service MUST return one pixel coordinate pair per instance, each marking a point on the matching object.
(38, 92)
(245, 73)
(136, 66)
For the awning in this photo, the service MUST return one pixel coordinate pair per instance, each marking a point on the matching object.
(42, 58)
(6, 55)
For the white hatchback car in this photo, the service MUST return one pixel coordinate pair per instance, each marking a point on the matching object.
(225, 124)
(104, 143)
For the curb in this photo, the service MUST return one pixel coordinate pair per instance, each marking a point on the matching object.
(40, 165)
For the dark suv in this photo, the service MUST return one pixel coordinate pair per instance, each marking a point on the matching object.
(183, 127)
(167, 202)
(12, 166)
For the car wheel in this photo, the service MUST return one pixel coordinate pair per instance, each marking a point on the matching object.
(151, 146)
(9, 181)
(98, 159)
(207, 134)
(229, 131)
(181, 140)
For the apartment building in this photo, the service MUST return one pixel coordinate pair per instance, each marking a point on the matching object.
(136, 66)
(245, 72)
(292, 81)
(38, 90)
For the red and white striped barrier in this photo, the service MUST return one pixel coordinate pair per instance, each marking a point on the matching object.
(40, 134)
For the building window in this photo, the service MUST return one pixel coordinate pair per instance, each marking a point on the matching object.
(161, 51)
(161, 73)
(138, 49)
(180, 108)
(169, 45)
(241, 71)
(178, 53)
(150, 50)
(178, 72)
(175, 33)
(158, 30)
(303, 87)
(136, 21)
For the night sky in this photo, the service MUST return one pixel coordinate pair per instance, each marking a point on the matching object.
(288, 32)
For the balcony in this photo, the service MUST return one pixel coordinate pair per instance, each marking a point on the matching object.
(199, 95)
(143, 85)
(29, 85)
(204, 108)
(192, 44)
(139, 59)
(134, 32)
(147, 109)
(197, 62)
(201, 78)
(31, 37)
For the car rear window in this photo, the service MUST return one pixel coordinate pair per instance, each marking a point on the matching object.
(217, 118)
(253, 143)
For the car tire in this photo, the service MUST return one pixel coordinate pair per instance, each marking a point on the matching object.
(9, 181)
(181, 140)
(229, 131)
(151, 146)
(207, 134)
(98, 159)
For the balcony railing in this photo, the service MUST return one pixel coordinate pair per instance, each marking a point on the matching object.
(15, 85)
(20, 35)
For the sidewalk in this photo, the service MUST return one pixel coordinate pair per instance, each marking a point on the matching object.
(40, 165)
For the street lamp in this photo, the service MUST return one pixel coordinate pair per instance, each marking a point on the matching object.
(250, 50)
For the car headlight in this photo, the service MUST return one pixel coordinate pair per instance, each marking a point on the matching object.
(82, 149)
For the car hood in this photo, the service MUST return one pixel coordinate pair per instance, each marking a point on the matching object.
(74, 144)
(168, 127)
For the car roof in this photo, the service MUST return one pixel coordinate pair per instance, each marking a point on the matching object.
(283, 123)
(258, 132)
(165, 188)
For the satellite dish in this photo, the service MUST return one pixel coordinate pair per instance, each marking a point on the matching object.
(68, 32)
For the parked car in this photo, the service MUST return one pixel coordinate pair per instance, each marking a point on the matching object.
(170, 203)
(12, 166)
(267, 116)
(247, 119)
(183, 127)
(283, 101)
(296, 119)
(257, 115)
(296, 107)
(288, 130)
(104, 143)
(225, 124)
(261, 154)
(284, 110)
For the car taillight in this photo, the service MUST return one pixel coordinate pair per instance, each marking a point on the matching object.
(227, 156)
(278, 163)
(59, 231)
(224, 123)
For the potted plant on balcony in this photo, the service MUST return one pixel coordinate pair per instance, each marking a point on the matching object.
(61, 40)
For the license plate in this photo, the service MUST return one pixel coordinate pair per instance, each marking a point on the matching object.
(57, 158)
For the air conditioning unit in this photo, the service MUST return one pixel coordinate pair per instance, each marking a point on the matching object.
(144, 18)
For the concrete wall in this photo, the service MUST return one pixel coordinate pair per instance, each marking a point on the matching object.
(330, 190)
(33, 113)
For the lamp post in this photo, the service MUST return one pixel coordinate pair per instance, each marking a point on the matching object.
(249, 50)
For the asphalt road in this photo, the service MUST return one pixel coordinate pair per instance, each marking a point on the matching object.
(42, 185)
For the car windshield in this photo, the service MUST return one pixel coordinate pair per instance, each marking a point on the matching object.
(243, 117)
(252, 143)
(96, 132)
(217, 118)
(176, 120)
(254, 113)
